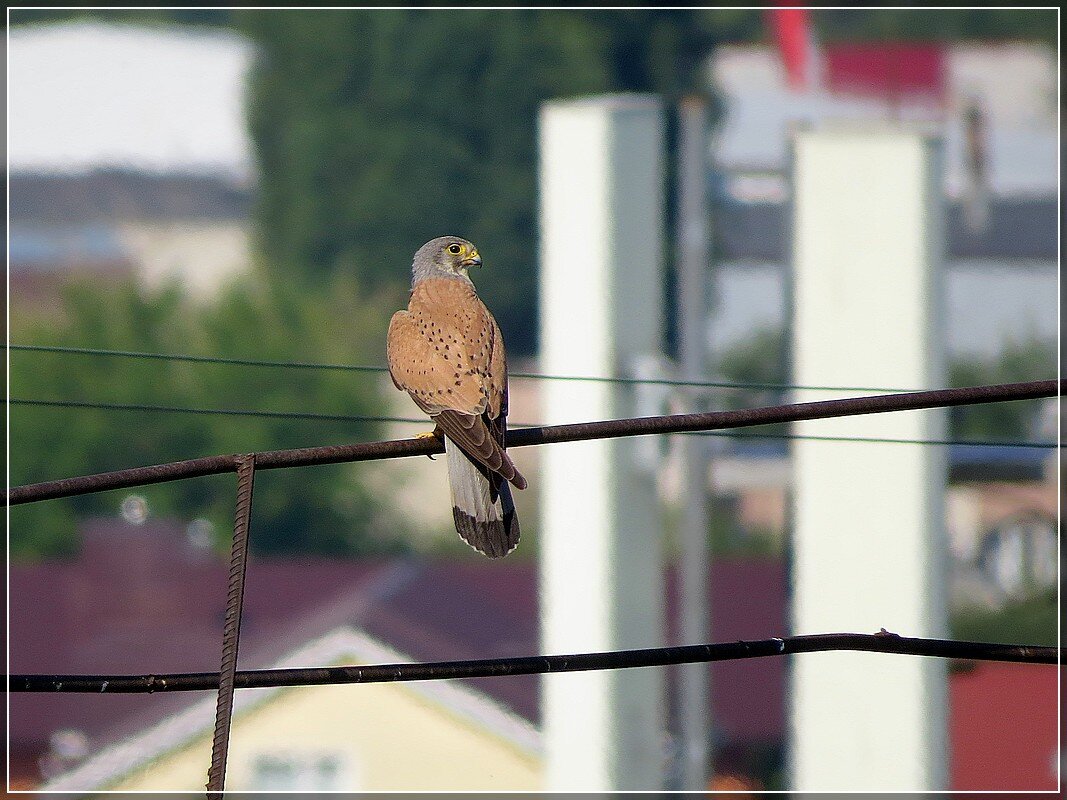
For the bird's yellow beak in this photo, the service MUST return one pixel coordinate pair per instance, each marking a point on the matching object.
(473, 260)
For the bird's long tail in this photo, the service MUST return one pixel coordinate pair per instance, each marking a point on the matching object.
(482, 506)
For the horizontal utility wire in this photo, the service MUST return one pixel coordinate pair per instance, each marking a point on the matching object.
(879, 440)
(311, 415)
(522, 437)
(247, 362)
(882, 642)
(235, 412)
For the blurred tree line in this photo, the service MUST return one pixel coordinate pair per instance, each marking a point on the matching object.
(323, 509)
(374, 131)
(378, 131)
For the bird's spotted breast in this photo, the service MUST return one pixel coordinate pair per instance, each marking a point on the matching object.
(450, 322)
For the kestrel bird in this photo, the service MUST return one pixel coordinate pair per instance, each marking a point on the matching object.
(446, 351)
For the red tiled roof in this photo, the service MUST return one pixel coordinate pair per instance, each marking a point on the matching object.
(1003, 728)
(892, 70)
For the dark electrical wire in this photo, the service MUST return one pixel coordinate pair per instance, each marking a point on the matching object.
(804, 437)
(882, 642)
(248, 362)
(311, 415)
(522, 437)
(235, 412)
(239, 362)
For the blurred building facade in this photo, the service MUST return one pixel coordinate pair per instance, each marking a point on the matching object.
(145, 190)
(995, 105)
(1013, 86)
(1000, 187)
(150, 599)
(192, 230)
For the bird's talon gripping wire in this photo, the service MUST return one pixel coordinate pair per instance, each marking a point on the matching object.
(434, 434)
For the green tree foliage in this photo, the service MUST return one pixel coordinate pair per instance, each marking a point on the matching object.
(761, 359)
(1029, 621)
(1030, 359)
(322, 509)
(378, 130)
(942, 24)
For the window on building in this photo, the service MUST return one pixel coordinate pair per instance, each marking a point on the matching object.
(301, 771)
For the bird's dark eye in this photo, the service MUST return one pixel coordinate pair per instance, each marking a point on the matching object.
(454, 249)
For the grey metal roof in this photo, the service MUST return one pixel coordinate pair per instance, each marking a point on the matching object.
(108, 196)
(1018, 228)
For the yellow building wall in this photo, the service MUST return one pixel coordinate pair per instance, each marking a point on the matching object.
(389, 737)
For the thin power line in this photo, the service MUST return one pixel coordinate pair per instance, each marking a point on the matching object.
(311, 415)
(248, 362)
(605, 429)
(880, 440)
(236, 412)
(240, 362)
(882, 642)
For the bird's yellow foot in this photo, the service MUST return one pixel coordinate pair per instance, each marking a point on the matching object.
(434, 434)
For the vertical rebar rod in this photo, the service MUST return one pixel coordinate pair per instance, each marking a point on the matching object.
(220, 743)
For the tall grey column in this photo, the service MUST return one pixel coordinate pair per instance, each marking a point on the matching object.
(693, 265)
(868, 538)
(601, 313)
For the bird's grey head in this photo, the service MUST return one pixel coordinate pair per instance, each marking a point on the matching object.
(444, 257)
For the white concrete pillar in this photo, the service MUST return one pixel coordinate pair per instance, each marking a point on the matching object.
(868, 539)
(601, 313)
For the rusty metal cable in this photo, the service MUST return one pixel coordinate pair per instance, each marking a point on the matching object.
(882, 642)
(641, 426)
(512, 425)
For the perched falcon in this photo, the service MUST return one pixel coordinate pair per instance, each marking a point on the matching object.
(447, 353)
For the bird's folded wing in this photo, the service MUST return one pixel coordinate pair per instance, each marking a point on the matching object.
(470, 432)
(497, 384)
